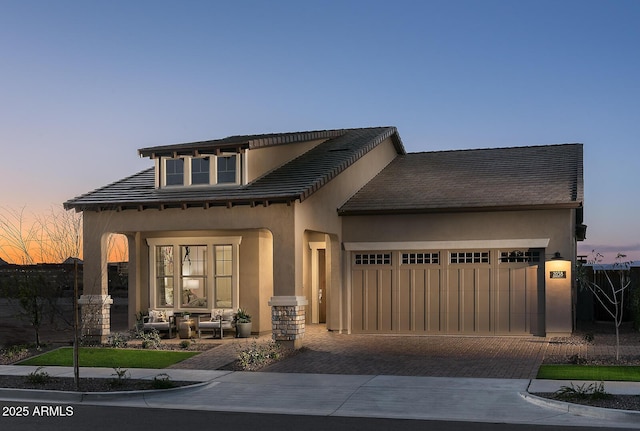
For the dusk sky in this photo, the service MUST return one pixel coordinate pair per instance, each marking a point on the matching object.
(84, 84)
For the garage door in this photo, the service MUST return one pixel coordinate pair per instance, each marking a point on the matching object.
(447, 292)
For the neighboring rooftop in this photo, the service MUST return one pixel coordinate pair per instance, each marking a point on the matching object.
(296, 180)
(482, 179)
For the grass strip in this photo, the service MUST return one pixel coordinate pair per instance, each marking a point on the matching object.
(614, 373)
(109, 358)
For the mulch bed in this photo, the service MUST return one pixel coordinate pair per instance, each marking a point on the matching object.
(86, 384)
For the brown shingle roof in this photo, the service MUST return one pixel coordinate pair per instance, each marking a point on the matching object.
(295, 180)
(499, 178)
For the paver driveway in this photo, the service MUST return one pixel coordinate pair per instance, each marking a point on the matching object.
(438, 356)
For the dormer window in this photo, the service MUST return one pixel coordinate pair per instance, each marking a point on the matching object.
(200, 172)
(222, 169)
(174, 172)
(227, 169)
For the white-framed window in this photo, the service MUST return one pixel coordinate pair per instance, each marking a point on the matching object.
(372, 258)
(194, 274)
(222, 169)
(469, 257)
(412, 258)
(200, 170)
(529, 256)
(228, 169)
(174, 172)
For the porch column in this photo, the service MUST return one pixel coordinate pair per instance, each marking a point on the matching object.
(95, 301)
(288, 320)
(288, 305)
(96, 317)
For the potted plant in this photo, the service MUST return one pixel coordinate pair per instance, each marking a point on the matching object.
(242, 321)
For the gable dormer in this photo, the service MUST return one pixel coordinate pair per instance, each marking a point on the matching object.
(228, 162)
(224, 169)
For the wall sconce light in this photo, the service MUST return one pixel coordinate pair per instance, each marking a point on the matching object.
(557, 256)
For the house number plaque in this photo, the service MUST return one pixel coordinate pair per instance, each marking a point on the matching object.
(558, 274)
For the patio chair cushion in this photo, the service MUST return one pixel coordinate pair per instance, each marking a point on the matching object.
(226, 313)
(157, 316)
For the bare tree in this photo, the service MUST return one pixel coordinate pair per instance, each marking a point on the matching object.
(59, 234)
(612, 294)
(17, 237)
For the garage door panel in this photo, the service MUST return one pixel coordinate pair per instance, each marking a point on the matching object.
(409, 293)
(419, 300)
(483, 300)
(357, 301)
(468, 286)
(434, 300)
(518, 296)
(502, 301)
(412, 301)
(371, 300)
(455, 298)
(385, 301)
(451, 302)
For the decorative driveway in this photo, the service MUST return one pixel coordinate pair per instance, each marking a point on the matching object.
(437, 356)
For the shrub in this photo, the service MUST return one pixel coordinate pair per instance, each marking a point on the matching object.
(38, 376)
(118, 340)
(184, 344)
(255, 356)
(121, 376)
(150, 340)
(162, 381)
(594, 391)
(14, 352)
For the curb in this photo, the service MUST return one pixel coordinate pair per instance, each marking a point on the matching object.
(79, 397)
(582, 410)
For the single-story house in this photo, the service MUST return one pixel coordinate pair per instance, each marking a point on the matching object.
(344, 228)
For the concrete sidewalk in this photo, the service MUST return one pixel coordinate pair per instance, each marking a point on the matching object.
(380, 396)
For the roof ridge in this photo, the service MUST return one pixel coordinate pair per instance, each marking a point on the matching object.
(512, 147)
(251, 141)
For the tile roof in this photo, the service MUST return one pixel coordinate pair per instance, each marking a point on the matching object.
(238, 142)
(296, 180)
(499, 178)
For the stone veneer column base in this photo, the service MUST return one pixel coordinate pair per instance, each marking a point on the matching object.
(96, 317)
(288, 320)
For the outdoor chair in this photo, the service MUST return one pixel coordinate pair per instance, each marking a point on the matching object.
(161, 321)
(219, 321)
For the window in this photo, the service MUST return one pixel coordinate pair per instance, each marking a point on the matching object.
(373, 258)
(223, 273)
(519, 256)
(227, 170)
(469, 257)
(174, 175)
(200, 170)
(164, 275)
(194, 274)
(420, 258)
(210, 170)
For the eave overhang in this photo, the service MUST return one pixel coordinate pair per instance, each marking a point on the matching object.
(465, 209)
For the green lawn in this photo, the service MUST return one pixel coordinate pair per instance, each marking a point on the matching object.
(110, 358)
(590, 372)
